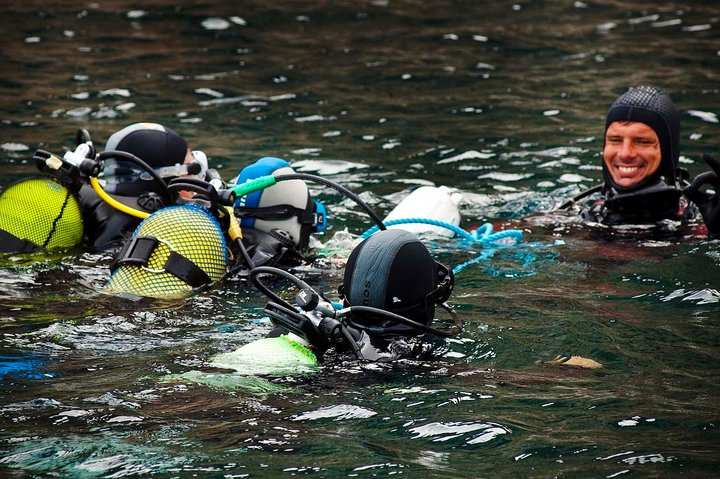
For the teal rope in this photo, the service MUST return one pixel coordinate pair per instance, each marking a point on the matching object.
(483, 234)
(455, 229)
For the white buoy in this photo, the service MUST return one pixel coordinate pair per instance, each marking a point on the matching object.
(438, 203)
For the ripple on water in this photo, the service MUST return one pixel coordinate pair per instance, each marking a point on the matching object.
(214, 23)
(112, 333)
(468, 155)
(14, 147)
(76, 456)
(505, 177)
(703, 296)
(327, 167)
(472, 432)
(708, 116)
(340, 412)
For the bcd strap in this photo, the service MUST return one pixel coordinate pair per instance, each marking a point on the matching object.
(10, 243)
(649, 204)
(138, 250)
(281, 212)
(178, 265)
(444, 288)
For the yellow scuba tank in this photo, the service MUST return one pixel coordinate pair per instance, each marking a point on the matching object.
(173, 251)
(39, 213)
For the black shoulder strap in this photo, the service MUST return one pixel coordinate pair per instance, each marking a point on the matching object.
(268, 213)
(181, 267)
(138, 249)
(10, 243)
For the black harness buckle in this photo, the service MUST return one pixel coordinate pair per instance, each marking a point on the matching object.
(137, 251)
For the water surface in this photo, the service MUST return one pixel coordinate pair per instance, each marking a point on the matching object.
(505, 102)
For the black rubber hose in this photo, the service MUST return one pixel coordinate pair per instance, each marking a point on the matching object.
(253, 277)
(335, 186)
(409, 322)
(568, 203)
(124, 155)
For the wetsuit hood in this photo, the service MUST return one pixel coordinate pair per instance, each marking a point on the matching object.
(155, 144)
(653, 107)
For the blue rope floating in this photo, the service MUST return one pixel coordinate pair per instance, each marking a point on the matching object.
(483, 234)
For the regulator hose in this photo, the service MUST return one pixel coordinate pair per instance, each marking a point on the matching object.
(583, 194)
(124, 155)
(263, 182)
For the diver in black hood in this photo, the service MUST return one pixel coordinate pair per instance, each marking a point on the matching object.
(161, 148)
(643, 183)
(391, 288)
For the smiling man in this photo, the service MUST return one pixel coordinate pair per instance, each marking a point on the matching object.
(641, 152)
(642, 140)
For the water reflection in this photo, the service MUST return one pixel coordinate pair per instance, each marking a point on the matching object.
(505, 102)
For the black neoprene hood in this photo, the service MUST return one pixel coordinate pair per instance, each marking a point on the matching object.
(394, 271)
(653, 107)
(155, 144)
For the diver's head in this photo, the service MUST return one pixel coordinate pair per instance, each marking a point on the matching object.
(162, 148)
(173, 251)
(393, 271)
(36, 214)
(642, 140)
(286, 206)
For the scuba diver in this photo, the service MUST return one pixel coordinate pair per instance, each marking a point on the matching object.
(643, 183)
(390, 289)
(62, 209)
(133, 185)
(277, 221)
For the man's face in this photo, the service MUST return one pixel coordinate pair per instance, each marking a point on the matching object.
(631, 153)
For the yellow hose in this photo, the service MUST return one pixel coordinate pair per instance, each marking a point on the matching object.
(234, 229)
(115, 203)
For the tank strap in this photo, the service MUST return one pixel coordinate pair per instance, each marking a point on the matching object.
(138, 250)
(270, 213)
(181, 267)
(12, 244)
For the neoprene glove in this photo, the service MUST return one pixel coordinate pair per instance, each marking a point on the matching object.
(709, 204)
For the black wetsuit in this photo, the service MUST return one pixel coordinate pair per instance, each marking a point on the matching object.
(651, 205)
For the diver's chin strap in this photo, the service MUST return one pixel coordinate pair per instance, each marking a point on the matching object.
(138, 250)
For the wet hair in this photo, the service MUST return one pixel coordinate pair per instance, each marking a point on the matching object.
(653, 107)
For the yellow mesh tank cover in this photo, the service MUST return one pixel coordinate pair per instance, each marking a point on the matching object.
(188, 230)
(43, 212)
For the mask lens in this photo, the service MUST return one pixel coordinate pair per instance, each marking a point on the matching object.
(119, 171)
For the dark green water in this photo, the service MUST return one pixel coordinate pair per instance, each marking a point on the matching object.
(505, 102)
